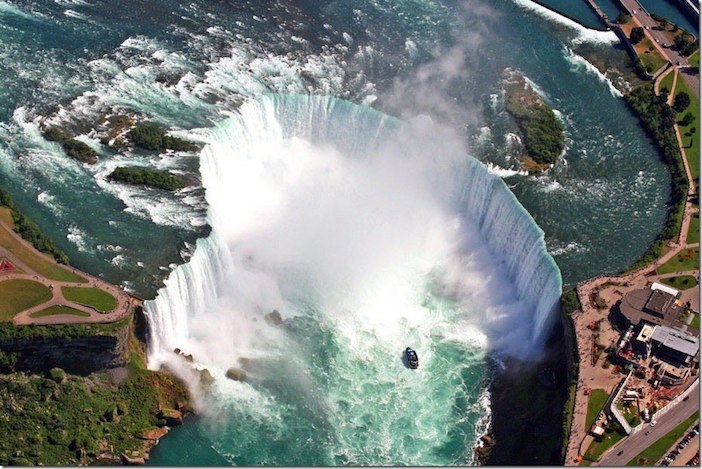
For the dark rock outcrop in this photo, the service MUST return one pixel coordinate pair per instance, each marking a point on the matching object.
(274, 318)
(237, 374)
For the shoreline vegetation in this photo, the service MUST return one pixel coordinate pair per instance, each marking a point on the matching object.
(541, 131)
(95, 415)
(142, 176)
(29, 230)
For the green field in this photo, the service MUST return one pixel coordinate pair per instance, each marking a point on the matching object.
(92, 297)
(59, 309)
(651, 59)
(693, 232)
(682, 282)
(658, 449)
(32, 258)
(687, 259)
(696, 321)
(690, 142)
(17, 295)
(596, 449)
(695, 59)
(667, 82)
(597, 400)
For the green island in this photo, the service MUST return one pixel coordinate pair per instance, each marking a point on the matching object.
(151, 136)
(540, 129)
(147, 177)
(73, 148)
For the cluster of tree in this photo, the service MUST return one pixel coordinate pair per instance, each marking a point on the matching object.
(59, 419)
(147, 177)
(570, 301)
(150, 136)
(658, 118)
(73, 148)
(29, 230)
(637, 35)
(542, 132)
(681, 101)
(686, 44)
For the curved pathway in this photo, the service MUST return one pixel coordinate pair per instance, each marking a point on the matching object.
(124, 301)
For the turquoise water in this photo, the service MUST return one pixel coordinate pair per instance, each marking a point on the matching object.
(190, 66)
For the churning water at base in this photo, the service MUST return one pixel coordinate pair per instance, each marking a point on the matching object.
(367, 235)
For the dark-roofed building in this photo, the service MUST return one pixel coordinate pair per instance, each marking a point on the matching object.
(655, 306)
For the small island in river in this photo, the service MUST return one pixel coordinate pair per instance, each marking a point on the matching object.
(540, 130)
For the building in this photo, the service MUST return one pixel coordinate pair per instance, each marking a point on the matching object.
(673, 346)
(657, 305)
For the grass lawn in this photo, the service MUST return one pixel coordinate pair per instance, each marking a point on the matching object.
(695, 59)
(651, 59)
(687, 259)
(693, 232)
(656, 451)
(18, 294)
(690, 142)
(33, 258)
(681, 283)
(667, 82)
(597, 400)
(596, 449)
(93, 297)
(59, 309)
(695, 321)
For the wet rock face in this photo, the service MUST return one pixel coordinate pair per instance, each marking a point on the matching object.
(274, 318)
(237, 374)
(171, 416)
(79, 355)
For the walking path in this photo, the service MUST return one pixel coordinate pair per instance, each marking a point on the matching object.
(658, 38)
(124, 301)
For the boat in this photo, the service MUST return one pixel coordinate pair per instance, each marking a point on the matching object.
(412, 358)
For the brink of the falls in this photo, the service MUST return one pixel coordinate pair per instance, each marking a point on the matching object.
(367, 234)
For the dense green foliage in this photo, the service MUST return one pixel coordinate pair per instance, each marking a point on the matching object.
(73, 148)
(64, 419)
(80, 151)
(30, 231)
(687, 119)
(681, 101)
(10, 332)
(637, 35)
(542, 133)
(148, 177)
(153, 137)
(570, 301)
(686, 44)
(658, 119)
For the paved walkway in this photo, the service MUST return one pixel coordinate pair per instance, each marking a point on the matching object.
(124, 301)
(658, 38)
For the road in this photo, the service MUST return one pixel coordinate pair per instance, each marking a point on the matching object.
(633, 445)
(659, 38)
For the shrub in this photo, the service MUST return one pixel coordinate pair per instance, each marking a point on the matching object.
(637, 35)
(153, 137)
(682, 101)
(687, 119)
(148, 177)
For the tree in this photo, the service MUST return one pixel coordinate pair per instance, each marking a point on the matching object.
(687, 119)
(637, 35)
(623, 18)
(680, 41)
(681, 102)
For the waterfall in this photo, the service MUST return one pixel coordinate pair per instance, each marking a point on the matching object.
(510, 234)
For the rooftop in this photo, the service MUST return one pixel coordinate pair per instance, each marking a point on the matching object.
(676, 340)
(653, 306)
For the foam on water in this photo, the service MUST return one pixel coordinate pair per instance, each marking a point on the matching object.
(580, 63)
(340, 218)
